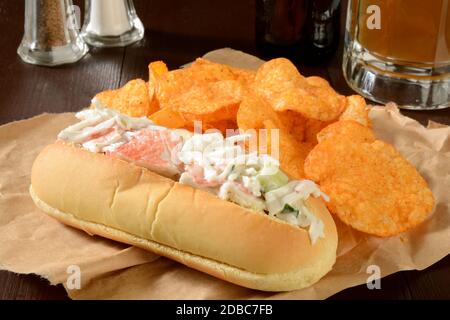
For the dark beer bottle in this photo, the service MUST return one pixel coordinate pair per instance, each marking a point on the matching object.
(302, 30)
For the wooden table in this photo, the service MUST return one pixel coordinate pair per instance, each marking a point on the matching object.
(177, 31)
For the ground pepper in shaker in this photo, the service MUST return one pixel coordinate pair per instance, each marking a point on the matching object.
(51, 34)
(111, 23)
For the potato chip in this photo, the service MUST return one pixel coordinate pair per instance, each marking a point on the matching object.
(371, 186)
(356, 109)
(155, 70)
(255, 113)
(132, 99)
(222, 125)
(171, 85)
(174, 119)
(201, 73)
(169, 118)
(106, 97)
(205, 91)
(312, 128)
(210, 71)
(214, 101)
(317, 82)
(294, 123)
(280, 83)
(347, 129)
(292, 158)
(291, 153)
(246, 77)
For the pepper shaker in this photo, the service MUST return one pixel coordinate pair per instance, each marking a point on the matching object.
(51, 34)
(111, 23)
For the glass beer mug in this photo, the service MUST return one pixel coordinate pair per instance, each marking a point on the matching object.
(399, 50)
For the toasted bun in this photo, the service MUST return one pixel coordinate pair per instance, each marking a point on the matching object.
(115, 199)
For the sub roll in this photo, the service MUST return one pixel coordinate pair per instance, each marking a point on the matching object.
(194, 198)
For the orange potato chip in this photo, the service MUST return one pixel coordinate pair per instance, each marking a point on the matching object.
(207, 71)
(317, 81)
(155, 69)
(356, 109)
(171, 85)
(106, 97)
(291, 153)
(312, 128)
(214, 101)
(208, 91)
(132, 99)
(292, 158)
(245, 76)
(222, 125)
(211, 71)
(279, 81)
(254, 116)
(174, 119)
(252, 113)
(348, 129)
(255, 113)
(210, 97)
(298, 127)
(168, 118)
(371, 186)
(294, 123)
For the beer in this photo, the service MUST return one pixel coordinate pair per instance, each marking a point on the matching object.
(413, 32)
(399, 50)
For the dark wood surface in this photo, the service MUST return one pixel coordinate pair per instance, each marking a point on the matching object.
(177, 31)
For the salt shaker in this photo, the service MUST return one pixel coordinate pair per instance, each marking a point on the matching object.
(111, 23)
(51, 34)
